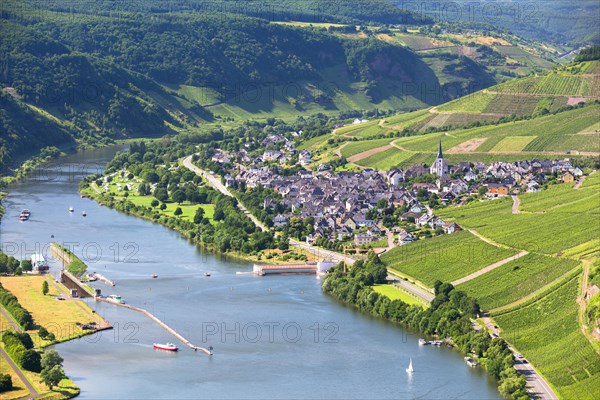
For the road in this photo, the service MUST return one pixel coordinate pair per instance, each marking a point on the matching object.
(216, 183)
(536, 385)
(421, 293)
(9, 361)
(516, 204)
(489, 268)
(8, 317)
(33, 393)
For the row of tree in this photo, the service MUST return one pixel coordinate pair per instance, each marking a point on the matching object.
(11, 304)
(449, 315)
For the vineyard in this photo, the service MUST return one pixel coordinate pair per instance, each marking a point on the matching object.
(385, 160)
(561, 227)
(354, 148)
(557, 84)
(507, 104)
(512, 143)
(516, 279)
(547, 332)
(365, 129)
(473, 103)
(446, 257)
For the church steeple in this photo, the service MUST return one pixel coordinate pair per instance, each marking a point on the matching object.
(440, 150)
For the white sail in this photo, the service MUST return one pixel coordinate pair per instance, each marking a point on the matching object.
(410, 367)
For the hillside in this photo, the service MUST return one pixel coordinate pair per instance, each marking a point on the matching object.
(543, 115)
(101, 75)
(561, 22)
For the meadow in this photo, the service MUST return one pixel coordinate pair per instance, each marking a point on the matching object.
(188, 209)
(516, 279)
(446, 257)
(59, 317)
(394, 293)
(548, 334)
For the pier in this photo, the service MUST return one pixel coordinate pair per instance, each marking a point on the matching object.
(159, 322)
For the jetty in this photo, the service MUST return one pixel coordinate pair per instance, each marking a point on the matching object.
(159, 322)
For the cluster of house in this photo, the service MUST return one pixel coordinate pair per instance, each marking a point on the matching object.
(339, 202)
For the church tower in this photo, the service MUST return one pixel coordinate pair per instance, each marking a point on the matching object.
(439, 166)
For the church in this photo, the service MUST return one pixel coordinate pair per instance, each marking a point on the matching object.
(439, 166)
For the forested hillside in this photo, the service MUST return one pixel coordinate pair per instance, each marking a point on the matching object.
(123, 72)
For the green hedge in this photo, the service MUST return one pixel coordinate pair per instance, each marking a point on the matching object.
(21, 315)
(19, 347)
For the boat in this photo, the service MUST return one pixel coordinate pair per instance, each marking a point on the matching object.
(423, 342)
(26, 212)
(113, 298)
(437, 342)
(166, 346)
(71, 209)
(410, 369)
(207, 274)
(23, 217)
(154, 276)
(84, 213)
(471, 362)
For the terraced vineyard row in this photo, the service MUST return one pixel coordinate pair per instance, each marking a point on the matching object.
(354, 148)
(516, 279)
(547, 332)
(558, 84)
(447, 257)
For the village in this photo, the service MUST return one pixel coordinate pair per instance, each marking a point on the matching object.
(384, 208)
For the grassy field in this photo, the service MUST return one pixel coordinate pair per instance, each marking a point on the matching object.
(446, 257)
(551, 221)
(188, 209)
(59, 317)
(364, 130)
(395, 293)
(548, 334)
(19, 390)
(516, 279)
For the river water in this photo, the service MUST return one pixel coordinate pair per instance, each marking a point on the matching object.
(273, 337)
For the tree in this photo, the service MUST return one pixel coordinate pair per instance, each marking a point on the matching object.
(199, 215)
(154, 203)
(163, 206)
(482, 190)
(161, 194)
(50, 359)
(52, 377)
(45, 288)
(178, 196)
(26, 265)
(178, 211)
(284, 242)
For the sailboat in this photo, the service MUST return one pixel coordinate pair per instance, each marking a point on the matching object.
(410, 369)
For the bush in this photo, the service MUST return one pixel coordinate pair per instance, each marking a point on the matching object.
(5, 383)
(15, 344)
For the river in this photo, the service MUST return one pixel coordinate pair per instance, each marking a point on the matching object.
(273, 337)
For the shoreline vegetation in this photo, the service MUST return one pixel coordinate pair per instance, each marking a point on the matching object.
(448, 318)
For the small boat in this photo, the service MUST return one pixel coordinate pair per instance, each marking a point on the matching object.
(113, 298)
(71, 209)
(410, 369)
(23, 217)
(437, 342)
(207, 274)
(166, 346)
(423, 342)
(84, 214)
(154, 276)
(471, 362)
(26, 212)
